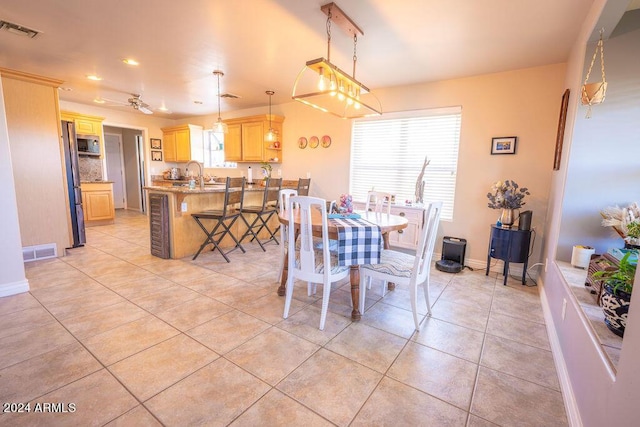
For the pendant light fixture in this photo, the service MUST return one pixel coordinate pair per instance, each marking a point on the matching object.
(271, 134)
(220, 126)
(324, 86)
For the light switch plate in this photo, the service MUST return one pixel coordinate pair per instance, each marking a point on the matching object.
(183, 207)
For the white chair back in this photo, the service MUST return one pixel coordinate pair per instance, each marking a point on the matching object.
(305, 261)
(378, 202)
(427, 240)
(283, 202)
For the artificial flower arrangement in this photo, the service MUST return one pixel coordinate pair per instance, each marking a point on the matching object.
(507, 195)
(346, 203)
(624, 220)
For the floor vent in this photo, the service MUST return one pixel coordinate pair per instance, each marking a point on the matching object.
(35, 253)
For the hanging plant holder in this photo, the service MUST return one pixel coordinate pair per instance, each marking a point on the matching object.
(594, 93)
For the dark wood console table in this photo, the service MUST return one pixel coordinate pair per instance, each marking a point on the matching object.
(509, 245)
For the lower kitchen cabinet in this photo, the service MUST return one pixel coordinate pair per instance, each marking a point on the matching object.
(97, 203)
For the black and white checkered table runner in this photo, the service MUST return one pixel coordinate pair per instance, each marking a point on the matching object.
(359, 241)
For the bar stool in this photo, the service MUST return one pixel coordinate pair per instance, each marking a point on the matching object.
(263, 213)
(225, 218)
(303, 186)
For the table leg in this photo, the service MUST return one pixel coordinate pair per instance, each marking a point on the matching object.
(354, 279)
(385, 240)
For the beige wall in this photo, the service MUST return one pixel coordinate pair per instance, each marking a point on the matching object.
(523, 103)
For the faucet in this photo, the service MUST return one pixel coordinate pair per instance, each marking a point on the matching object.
(201, 177)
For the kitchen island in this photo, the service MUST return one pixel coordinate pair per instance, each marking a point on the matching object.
(174, 232)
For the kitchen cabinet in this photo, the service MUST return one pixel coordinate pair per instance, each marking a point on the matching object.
(407, 237)
(97, 203)
(183, 143)
(245, 141)
(86, 125)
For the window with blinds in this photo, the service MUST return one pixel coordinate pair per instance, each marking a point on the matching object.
(387, 155)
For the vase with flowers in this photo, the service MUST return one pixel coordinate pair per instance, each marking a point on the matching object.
(345, 205)
(508, 196)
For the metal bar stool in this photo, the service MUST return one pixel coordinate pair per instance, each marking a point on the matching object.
(303, 186)
(225, 218)
(263, 213)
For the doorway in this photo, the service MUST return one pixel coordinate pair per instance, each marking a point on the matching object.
(127, 163)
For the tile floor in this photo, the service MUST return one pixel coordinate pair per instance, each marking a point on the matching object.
(115, 336)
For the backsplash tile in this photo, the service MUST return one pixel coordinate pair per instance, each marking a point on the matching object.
(90, 168)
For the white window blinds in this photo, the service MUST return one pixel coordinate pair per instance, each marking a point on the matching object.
(387, 155)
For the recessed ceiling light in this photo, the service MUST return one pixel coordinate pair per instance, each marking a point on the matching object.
(99, 101)
(130, 61)
(163, 108)
(94, 77)
(197, 102)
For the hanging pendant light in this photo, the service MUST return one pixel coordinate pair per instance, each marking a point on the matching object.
(324, 86)
(271, 135)
(220, 126)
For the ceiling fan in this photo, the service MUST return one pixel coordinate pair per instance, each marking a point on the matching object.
(139, 104)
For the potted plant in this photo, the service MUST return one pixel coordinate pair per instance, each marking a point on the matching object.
(266, 171)
(617, 284)
(507, 196)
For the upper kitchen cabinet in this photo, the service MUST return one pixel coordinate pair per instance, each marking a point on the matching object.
(245, 141)
(86, 125)
(183, 143)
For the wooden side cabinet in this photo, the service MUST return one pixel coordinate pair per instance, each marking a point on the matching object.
(407, 237)
(509, 245)
(97, 203)
(245, 141)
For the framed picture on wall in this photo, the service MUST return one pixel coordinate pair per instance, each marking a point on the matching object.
(560, 136)
(156, 144)
(156, 156)
(504, 145)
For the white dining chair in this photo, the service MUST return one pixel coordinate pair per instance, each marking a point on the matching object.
(283, 202)
(305, 262)
(405, 269)
(378, 202)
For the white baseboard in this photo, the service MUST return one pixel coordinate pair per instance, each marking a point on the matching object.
(7, 289)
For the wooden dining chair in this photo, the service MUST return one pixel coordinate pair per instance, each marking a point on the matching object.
(305, 262)
(404, 269)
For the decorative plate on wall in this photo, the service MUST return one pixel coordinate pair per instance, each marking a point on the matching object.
(302, 142)
(314, 142)
(326, 141)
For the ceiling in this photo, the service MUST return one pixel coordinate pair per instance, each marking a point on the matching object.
(263, 44)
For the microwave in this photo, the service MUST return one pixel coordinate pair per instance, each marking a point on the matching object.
(88, 145)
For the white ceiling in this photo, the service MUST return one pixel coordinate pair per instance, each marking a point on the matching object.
(262, 44)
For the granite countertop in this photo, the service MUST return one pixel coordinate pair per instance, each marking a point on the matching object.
(208, 188)
(96, 182)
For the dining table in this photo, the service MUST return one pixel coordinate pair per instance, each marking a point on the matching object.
(387, 224)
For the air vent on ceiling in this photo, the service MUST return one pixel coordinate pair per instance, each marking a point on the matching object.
(18, 29)
(229, 95)
(34, 253)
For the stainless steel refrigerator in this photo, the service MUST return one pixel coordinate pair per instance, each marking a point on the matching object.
(73, 183)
